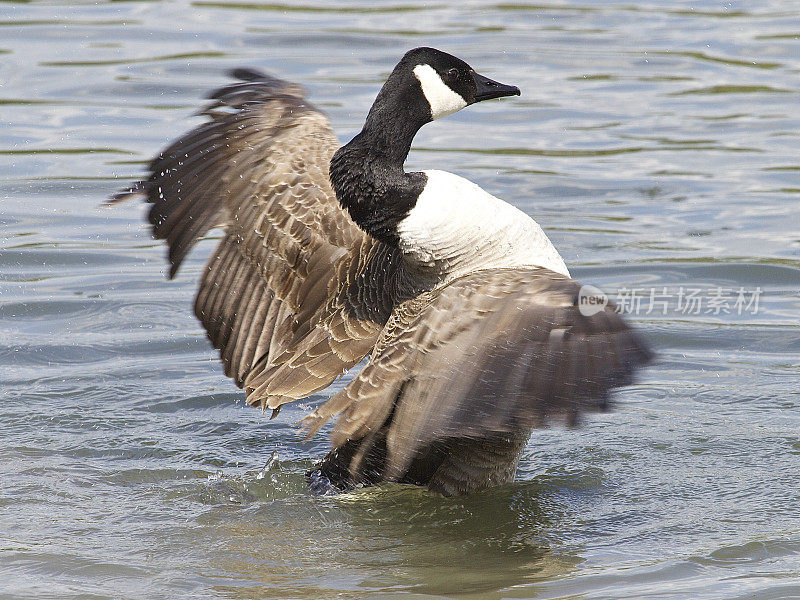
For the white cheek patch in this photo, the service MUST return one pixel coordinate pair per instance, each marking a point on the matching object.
(443, 100)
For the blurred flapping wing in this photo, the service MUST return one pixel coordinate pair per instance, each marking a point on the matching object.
(496, 352)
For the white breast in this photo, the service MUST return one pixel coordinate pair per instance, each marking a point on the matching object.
(456, 227)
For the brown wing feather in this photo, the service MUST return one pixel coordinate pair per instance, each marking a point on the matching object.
(493, 353)
(283, 295)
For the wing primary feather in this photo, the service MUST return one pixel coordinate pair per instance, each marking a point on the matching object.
(243, 312)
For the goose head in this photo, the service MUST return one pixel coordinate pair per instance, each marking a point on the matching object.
(449, 84)
(428, 84)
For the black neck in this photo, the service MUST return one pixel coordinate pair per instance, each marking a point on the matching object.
(396, 116)
(367, 173)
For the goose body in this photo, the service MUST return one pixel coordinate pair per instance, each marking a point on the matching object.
(466, 309)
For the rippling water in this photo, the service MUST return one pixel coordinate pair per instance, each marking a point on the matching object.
(657, 143)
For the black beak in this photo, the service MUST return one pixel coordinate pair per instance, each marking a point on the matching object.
(488, 89)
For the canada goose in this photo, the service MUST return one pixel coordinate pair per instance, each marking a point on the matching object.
(466, 309)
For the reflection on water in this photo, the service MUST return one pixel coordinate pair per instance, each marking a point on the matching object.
(656, 144)
(405, 539)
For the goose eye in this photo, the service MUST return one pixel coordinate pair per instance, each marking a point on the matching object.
(453, 73)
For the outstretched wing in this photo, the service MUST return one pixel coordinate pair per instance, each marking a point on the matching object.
(494, 353)
(283, 295)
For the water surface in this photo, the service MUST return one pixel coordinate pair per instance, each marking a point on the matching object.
(657, 144)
